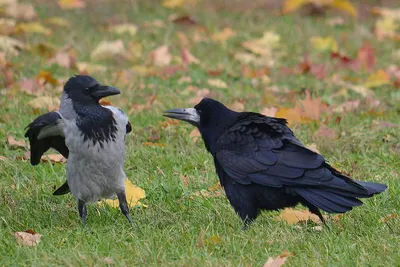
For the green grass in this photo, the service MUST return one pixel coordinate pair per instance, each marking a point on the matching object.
(167, 231)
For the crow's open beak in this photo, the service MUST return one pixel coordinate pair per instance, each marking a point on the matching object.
(104, 91)
(189, 115)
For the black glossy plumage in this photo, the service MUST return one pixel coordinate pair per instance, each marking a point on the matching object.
(262, 165)
(40, 146)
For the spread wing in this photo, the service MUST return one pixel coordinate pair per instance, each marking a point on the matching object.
(263, 150)
(46, 132)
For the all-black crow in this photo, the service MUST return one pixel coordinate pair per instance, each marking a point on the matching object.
(262, 166)
(91, 136)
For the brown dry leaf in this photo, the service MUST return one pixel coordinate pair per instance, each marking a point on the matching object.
(217, 83)
(108, 261)
(195, 135)
(13, 143)
(348, 106)
(184, 79)
(10, 45)
(153, 144)
(31, 87)
(20, 11)
(200, 94)
(292, 115)
(133, 195)
(212, 191)
(312, 108)
(270, 112)
(390, 217)
(237, 106)
(366, 56)
(7, 26)
(125, 28)
(280, 260)
(32, 27)
(324, 132)
(161, 56)
(183, 20)
(377, 79)
(292, 216)
(2, 158)
(46, 77)
(185, 180)
(223, 35)
(71, 4)
(109, 50)
(343, 5)
(64, 59)
(27, 238)
(45, 102)
(54, 158)
(44, 49)
(188, 58)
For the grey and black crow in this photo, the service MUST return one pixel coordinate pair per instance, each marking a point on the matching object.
(263, 166)
(91, 136)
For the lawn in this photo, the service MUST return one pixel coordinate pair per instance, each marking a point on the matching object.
(179, 226)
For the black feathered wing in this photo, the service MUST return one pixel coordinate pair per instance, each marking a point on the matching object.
(46, 132)
(263, 150)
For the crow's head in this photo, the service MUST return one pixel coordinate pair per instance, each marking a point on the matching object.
(208, 114)
(86, 90)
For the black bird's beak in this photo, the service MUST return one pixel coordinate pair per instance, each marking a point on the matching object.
(189, 115)
(104, 91)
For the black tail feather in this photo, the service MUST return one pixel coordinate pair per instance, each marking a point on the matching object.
(62, 190)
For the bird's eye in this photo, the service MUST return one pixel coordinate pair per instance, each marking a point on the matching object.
(87, 90)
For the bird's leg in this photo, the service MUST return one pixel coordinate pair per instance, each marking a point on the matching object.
(123, 205)
(82, 211)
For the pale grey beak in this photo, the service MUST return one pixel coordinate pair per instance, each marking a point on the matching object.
(189, 115)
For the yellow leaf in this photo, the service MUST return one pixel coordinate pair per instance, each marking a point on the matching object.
(133, 195)
(386, 27)
(177, 3)
(33, 27)
(292, 5)
(377, 79)
(345, 6)
(292, 115)
(263, 45)
(223, 35)
(47, 77)
(46, 102)
(57, 21)
(292, 216)
(71, 4)
(125, 28)
(108, 50)
(324, 44)
(217, 83)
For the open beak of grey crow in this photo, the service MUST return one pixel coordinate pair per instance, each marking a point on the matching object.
(189, 115)
(104, 91)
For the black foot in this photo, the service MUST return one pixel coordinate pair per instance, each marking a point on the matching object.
(82, 211)
(123, 205)
(64, 189)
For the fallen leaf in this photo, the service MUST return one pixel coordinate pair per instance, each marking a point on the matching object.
(386, 28)
(324, 44)
(2, 158)
(185, 180)
(20, 11)
(188, 58)
(212, 240)
(312, 108)
(195, 135)
(109, 50)
(237, 106)
(270, 112)
(133, 195)
(292, 115)
(200, 240)
(125, 28)
(54, 158)
(87, 67)
(10, 45)
(153, 144)
(161, 56)
(377, 79)
(263, 45)
(32, 27)
(45, 102)
(31, 87)
(217, 83)
(44, 49)
(390, 217)
(254, 73)
(13, 143)
(27, 238)
(325, 132)
(7, 26)
(223, 35)
(280, 260)
(348, 106)
(344, 5)
(63, 59)
(46, 77)
(71, 4)
(177, 3)
(108, 261)
(366, 57)
(136, 108)
(392, 13)
(292, 216)
(185, 20)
